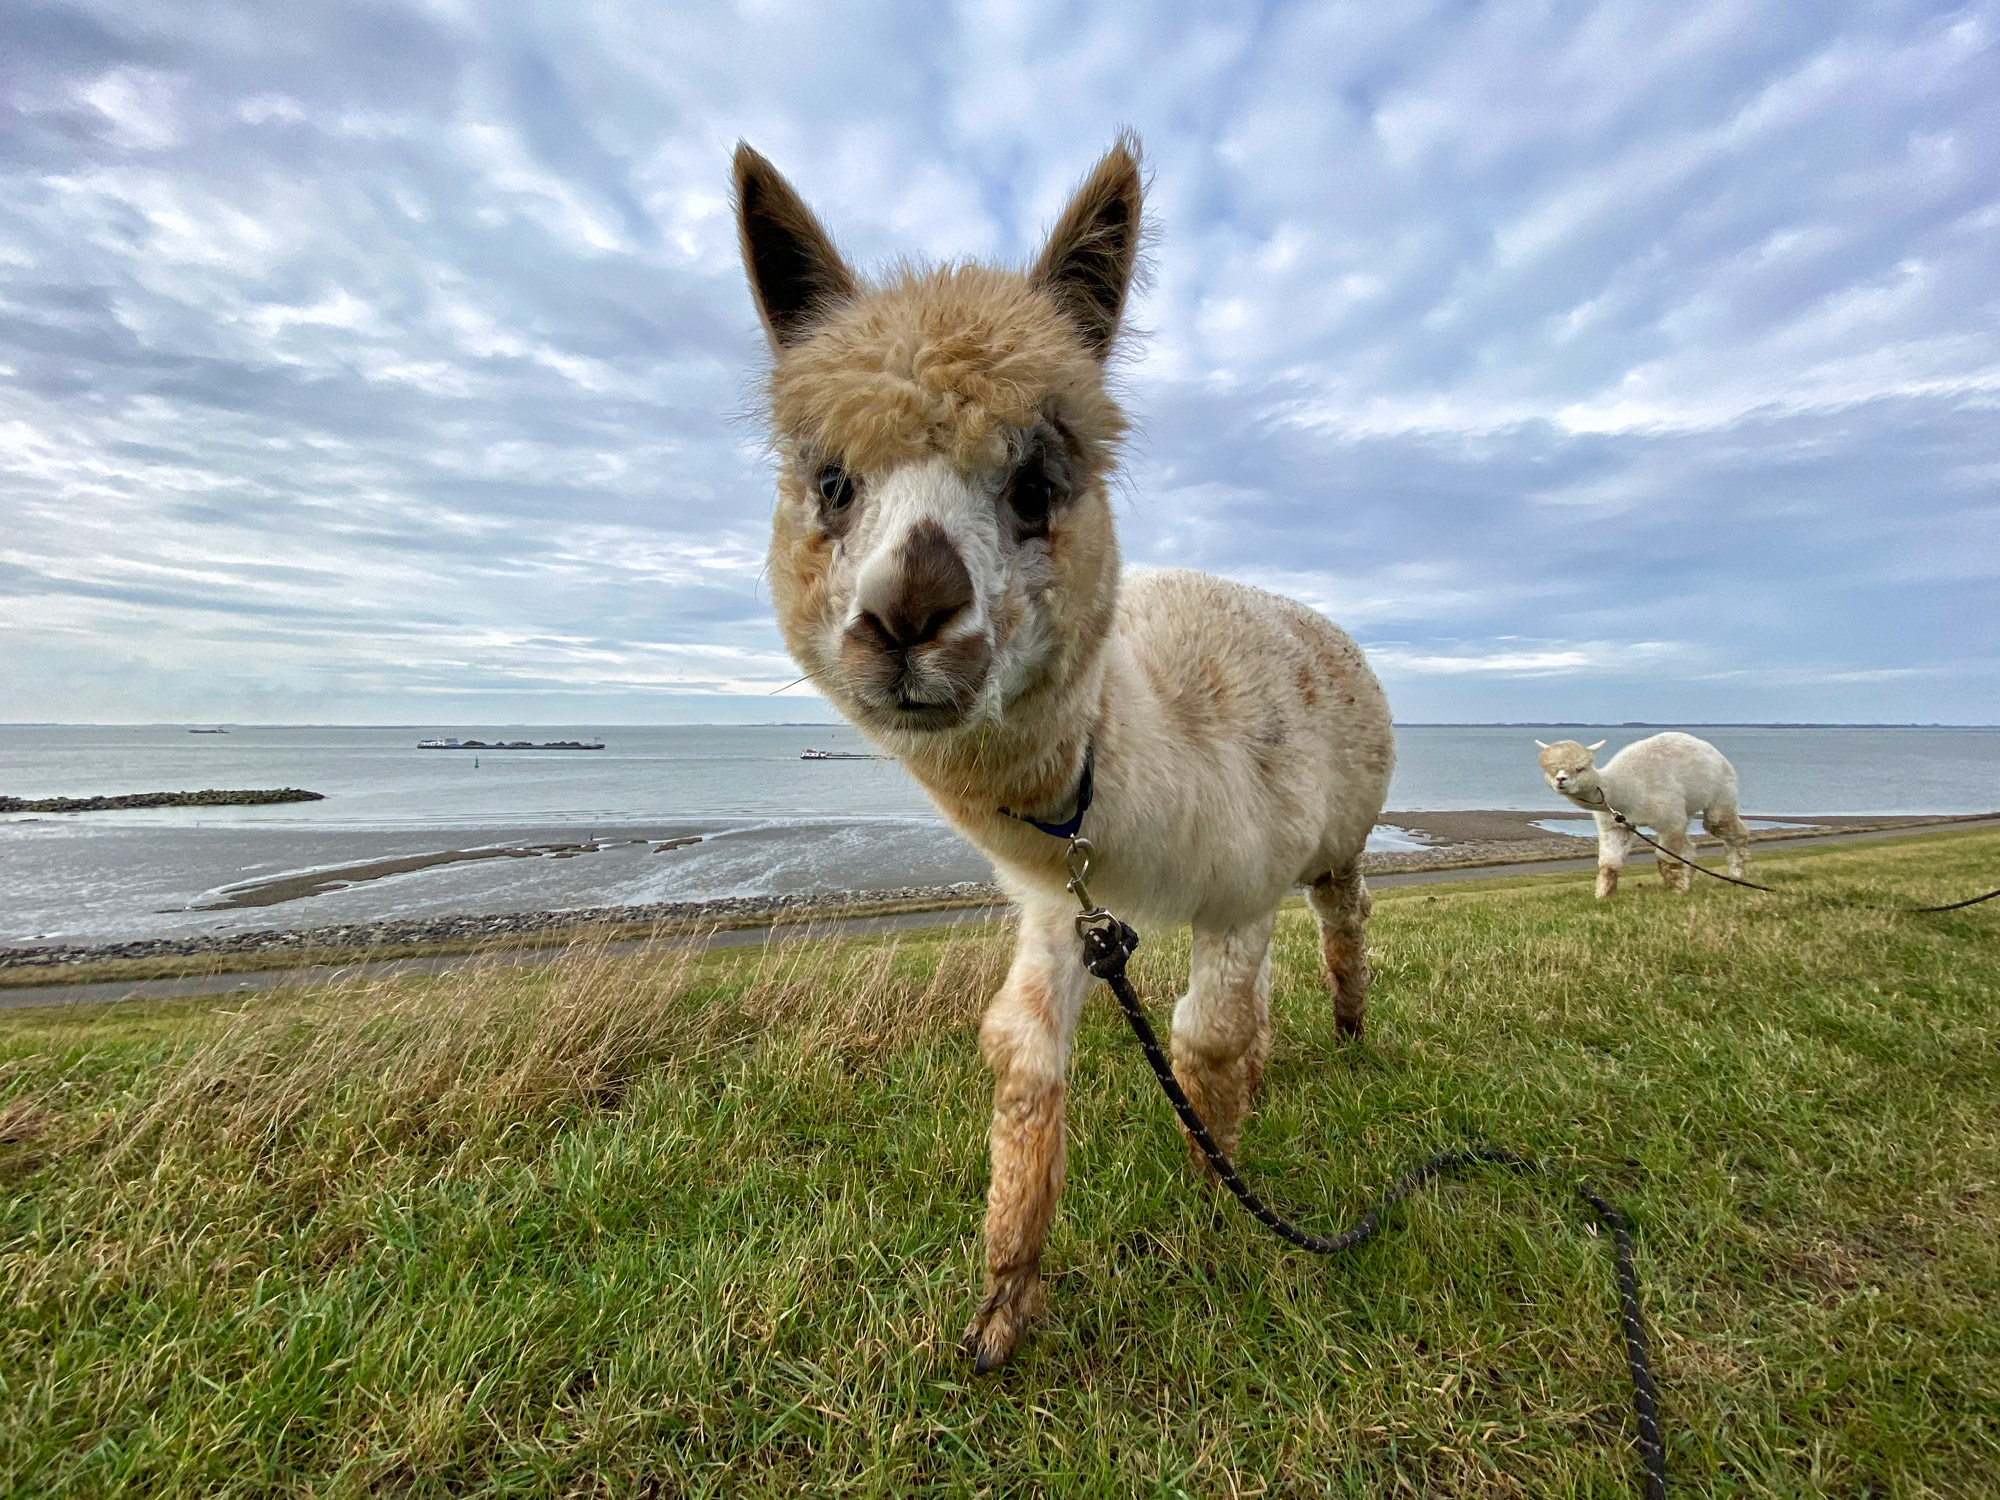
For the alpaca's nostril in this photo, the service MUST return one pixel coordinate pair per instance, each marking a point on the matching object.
(904, 629)
(928, 588)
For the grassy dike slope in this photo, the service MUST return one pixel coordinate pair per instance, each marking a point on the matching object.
(682, 1225)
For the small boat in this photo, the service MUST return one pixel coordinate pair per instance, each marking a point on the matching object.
(208, 731)
(836, 755)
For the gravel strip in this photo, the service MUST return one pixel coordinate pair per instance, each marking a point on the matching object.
(409, 930)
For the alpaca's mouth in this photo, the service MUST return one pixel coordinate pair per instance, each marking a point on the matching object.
(932, 688)
(912, 713)
(913, 704)
(906, 713)
(910, 705)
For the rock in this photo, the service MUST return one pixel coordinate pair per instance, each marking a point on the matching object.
(210, 798)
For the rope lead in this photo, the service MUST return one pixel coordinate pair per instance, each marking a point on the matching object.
(1108, 943)
(1750, 885)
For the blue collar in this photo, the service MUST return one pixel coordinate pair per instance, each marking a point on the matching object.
(1066, 829)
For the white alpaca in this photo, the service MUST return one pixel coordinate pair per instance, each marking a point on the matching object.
(944, 566)
(1658, 783)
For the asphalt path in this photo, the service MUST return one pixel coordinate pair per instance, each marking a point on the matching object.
(749, 937)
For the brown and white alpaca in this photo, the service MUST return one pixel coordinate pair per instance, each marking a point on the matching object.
(944, 566)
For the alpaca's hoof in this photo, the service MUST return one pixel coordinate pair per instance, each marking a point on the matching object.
(1349, 1027)
(1200, 1159)
(1012, 1302)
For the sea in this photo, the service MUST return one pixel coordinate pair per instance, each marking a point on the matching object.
(686, 813)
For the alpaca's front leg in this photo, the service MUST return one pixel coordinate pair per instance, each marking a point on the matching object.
(1026, 1038)
(1222, 1028)
(1612, 842)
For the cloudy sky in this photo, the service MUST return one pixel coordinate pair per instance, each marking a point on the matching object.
(392, 363)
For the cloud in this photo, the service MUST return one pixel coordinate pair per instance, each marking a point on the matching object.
(1634, 363)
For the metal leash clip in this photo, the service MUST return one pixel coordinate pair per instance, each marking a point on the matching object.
(1077, 855)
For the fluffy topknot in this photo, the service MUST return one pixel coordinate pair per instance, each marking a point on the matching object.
(943, 362)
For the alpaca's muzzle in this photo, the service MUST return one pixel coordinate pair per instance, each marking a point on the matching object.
(914, 652)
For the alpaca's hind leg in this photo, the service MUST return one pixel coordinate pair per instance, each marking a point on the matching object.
(1341, 903)
(1222, 1027)
(1674, 874)
(1026, 1038)
(1727, 826)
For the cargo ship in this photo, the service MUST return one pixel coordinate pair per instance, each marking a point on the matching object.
(450, 744)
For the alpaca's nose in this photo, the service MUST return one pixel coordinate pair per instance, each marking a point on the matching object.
(909, 605)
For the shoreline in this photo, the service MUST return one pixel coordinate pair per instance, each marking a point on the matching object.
(1467, 840)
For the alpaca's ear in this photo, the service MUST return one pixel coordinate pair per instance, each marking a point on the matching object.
(1540, 745)
(1091, 252)
(1593, 749)
(795, 273)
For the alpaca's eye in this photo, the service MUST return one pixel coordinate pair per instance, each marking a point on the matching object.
(836, 487)
(1031, 495)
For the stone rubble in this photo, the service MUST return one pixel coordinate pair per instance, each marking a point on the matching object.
(409, 930)
(209, 798)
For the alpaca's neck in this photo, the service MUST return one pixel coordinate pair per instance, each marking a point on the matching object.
(1588, 787)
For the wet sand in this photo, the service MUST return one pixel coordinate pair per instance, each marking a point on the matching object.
(826, 916)
(295, 887)
(1452, 841)
(1479, 836)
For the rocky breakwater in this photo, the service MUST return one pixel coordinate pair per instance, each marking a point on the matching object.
(210, 798)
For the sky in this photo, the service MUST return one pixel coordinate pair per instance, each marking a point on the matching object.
(392, 363)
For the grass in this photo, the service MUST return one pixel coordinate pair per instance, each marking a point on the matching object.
(676, 1224)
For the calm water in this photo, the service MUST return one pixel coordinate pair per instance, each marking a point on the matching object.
(769, 822)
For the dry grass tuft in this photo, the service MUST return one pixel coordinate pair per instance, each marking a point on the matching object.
(26, 1124)
(464, 1064)
(859, 1001)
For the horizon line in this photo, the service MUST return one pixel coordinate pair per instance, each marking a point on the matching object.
(843, 724)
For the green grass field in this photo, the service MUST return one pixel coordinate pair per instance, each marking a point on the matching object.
(674, 1226)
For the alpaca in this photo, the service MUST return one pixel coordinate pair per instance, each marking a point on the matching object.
(1657, 783)
(944, 567)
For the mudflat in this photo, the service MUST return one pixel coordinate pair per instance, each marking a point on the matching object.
(1452, 840)
(316, 883)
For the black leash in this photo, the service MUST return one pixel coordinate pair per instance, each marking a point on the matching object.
(1108, 943)
(1750, 885)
